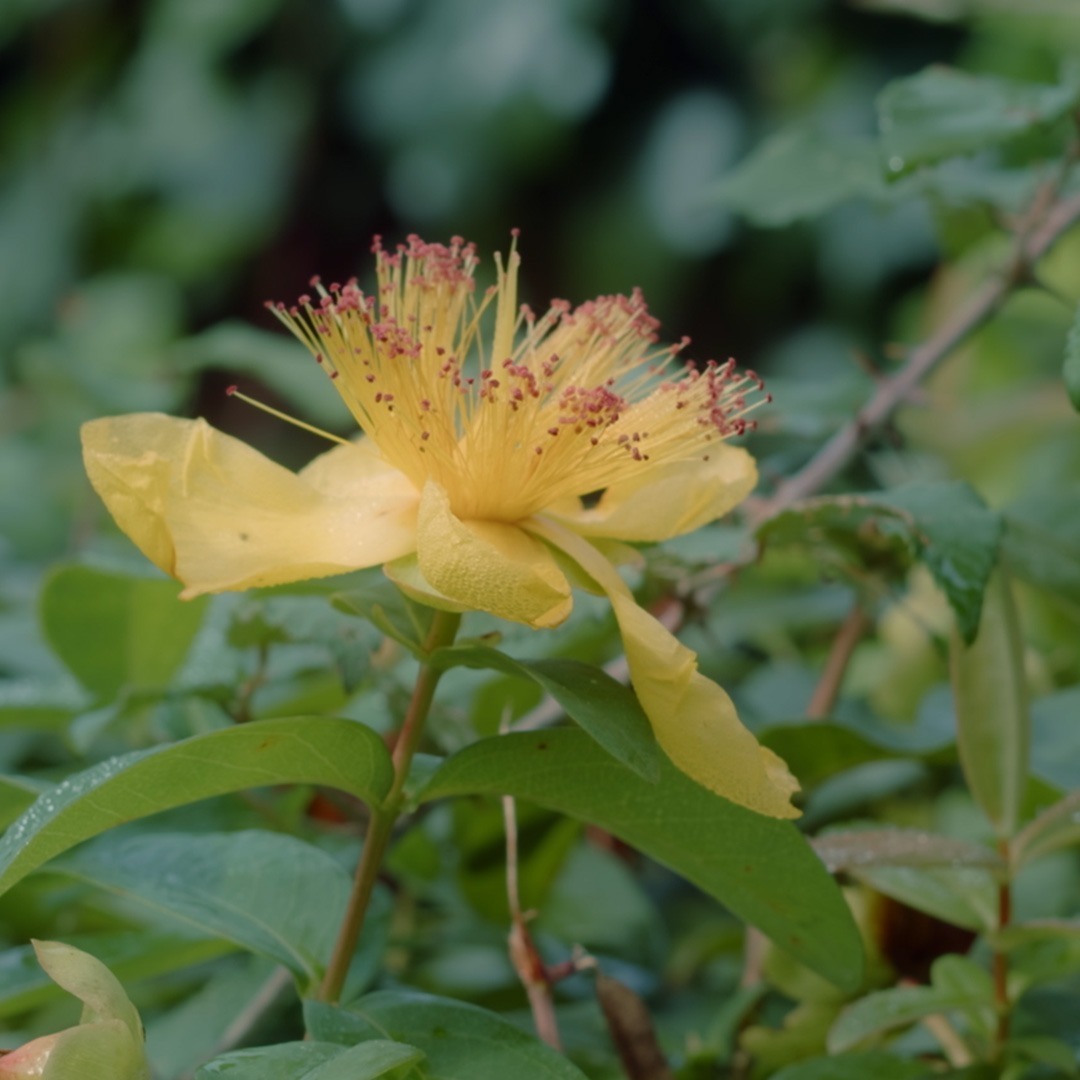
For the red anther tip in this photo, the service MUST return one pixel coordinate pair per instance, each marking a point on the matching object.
(515, 232)
(230, 390)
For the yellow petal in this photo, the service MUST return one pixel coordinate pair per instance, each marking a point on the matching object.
(669, 500)
(405, 574)
(357, 471)
(694, 720)
(489, 565)
(215, 513)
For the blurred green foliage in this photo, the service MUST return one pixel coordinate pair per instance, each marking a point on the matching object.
(791, 183)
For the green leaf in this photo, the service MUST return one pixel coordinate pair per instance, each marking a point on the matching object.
(993, 722)
(859, 529)
(114, 631)
(1042, 542)
(1070, 370)
(760, 868)
(876, 1064)
(336, 753)
(875, 1014)
(800, 174)
(599, 704)
(459, 1041)
(959, 540)
(946, 525)
(942, 112)
(251, 888)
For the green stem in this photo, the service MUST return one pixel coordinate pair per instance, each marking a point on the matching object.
(384, 817)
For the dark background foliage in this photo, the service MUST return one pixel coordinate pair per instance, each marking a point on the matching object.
(185, 160)
(169, 165)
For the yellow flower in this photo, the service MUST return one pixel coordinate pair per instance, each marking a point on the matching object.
(108, 1041)
(483, 436)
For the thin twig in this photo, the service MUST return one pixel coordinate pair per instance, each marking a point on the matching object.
(522, 949)
(893, 389)
(851, 632)
(957, 1052)
(245, 1020)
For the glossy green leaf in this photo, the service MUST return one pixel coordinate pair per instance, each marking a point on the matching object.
(749, 862)
(992, 717)
(801, 174)
(957, 984)
(459, 1041)
(251, 888)
(336, 753)
(942, 112)
(959, 540)
(599, 704)
(115, 631)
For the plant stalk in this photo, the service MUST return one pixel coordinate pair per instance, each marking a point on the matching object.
(385, 816)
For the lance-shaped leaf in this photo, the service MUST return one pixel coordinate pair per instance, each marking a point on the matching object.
(342, 754)
(992, 716)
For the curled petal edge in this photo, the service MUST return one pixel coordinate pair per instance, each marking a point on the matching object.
(693, 719)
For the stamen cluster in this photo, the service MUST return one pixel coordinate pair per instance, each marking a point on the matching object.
(511, 413)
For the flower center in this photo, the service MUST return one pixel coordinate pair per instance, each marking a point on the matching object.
(513, 417)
